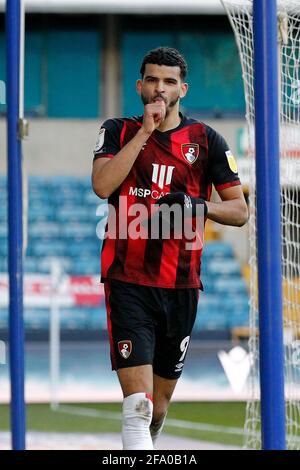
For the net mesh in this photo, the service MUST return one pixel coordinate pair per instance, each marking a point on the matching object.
(240, 16)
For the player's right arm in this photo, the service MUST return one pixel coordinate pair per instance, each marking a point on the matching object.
(109, 173)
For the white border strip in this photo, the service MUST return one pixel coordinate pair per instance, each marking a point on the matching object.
(123, 6)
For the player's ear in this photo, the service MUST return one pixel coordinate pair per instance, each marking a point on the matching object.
(139, 86)
(183, 89)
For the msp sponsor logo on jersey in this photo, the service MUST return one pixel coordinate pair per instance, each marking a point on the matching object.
(145, 192)
(99, 141)
(190, 152)
(162, 174)
(231, 161)
(125, 348)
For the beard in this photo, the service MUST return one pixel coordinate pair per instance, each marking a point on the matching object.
(172, 103)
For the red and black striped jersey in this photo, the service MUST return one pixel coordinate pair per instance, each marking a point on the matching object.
(190, 159)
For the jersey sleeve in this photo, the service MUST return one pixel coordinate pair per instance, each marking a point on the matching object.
(222, 166)
(108, 140)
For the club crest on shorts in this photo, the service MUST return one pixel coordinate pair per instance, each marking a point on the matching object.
(190, 152)
(125, 348)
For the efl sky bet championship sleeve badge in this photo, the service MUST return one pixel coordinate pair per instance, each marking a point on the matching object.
(99, 141)
(231, 161)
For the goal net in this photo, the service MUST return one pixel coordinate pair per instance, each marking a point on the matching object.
(240, 16)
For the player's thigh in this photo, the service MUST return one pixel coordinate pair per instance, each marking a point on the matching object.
(130, 325)
(172, 342)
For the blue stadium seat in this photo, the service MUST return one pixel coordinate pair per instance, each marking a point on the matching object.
(36, 318)
(238, 320)
(211, 314)
(73, 319)
(235, 301)
(44, 264)
(48, 248)
(90, 198)
(208, 302)
(73, 213)
(39, 196)
(3, 211)
(38, 190)
(3, 264)
(217, 249)
(3, 318)
(86, 265)
(30, 264)
(225, 285)
(213, 320)
(35, 181)
(83, 247)
(96, 319)
(65, 197)
(3, 188)
(3, 230)
(65, 182)
(3, 246)
(78, 230)
(44, 230)
(208, 283)
(41, 212)
(86, 184)
(236, 307)
(225, 266)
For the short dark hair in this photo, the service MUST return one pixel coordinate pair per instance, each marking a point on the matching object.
(165, 56)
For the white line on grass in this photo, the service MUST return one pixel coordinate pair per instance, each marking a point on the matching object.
(174, 423)
(178, 423)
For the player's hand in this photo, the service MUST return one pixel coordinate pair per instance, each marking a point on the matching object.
(163, 222)
(188, 203)
(154, 115)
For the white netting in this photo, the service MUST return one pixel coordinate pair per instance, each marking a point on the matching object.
(240, 15)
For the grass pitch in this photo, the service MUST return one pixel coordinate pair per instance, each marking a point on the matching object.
(220, 422)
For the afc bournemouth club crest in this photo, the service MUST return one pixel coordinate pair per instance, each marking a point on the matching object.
(125, 348)
(190, 152)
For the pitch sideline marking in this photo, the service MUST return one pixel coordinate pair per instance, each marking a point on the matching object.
(175, 423)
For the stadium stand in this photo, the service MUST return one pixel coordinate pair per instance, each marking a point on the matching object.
(62, 223)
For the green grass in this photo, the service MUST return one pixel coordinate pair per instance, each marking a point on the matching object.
(229, 414)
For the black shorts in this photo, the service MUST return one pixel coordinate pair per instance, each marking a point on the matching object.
(149, 325)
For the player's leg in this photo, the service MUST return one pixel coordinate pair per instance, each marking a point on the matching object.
(162, 392)
(137, 386)
(172, 341)
(138, 410)
(131, 332)
(136, 379)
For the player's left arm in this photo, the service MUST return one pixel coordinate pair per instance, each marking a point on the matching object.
(232, 210)
(223, 171)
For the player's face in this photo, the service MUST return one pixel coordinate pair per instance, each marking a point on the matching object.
(161, 83)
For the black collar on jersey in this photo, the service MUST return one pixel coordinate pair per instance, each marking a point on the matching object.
(169, 131)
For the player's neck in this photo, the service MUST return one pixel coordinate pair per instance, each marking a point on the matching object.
(171, 121)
